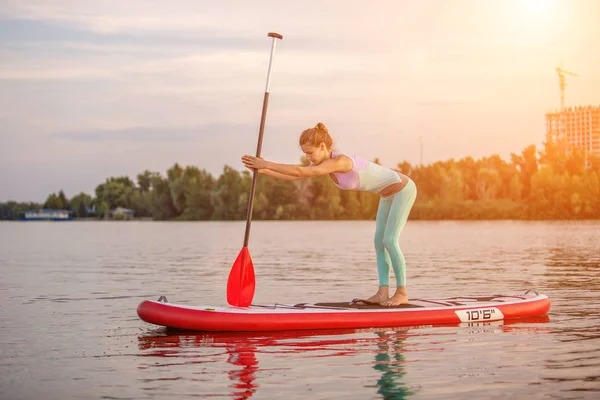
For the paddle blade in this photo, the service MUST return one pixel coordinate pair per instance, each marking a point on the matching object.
(241, 282)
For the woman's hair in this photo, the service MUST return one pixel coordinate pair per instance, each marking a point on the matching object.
(314, 136)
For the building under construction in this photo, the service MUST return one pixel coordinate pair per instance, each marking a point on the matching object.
(575, 126)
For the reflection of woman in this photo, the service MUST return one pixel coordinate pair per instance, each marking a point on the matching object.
(390, 361)
(241, 350)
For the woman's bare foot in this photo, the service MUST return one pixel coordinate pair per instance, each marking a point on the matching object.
(397, 299)
(383, 294)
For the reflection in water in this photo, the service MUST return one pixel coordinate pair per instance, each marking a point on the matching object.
(577, 270)
(391, 363)
(387, 347)
(241, 349)
(575, 259)
(243, 355)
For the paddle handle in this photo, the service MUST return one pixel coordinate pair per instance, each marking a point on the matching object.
(263, 118)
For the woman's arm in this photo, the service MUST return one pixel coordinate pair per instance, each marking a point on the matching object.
(247, 163)
(277, 174)
(337, 164)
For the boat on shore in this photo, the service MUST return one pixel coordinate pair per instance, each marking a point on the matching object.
(46, 214)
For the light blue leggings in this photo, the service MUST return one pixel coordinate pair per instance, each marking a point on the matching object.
(391, 217)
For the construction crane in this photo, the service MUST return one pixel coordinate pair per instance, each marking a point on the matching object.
(563, 84)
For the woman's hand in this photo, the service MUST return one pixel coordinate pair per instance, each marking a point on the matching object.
(254, 162)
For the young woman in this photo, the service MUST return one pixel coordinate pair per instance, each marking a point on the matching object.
(348, 172)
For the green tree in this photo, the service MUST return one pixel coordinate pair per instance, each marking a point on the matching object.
(325, 199)
(230, 195)
(145, 180)
(451, 185)
(177, 186)
(102, 208)
(116, 192)
(63, 200)
(141, 202)
(548, 199)
(350, 205)
(55, 202)
(80, 204)
(527, 165)
(515, 188)
(161, 204)
(198, 204)
(488, 184)
(469, 169)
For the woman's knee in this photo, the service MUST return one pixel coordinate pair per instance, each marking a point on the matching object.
(379, 244)
(390, 243)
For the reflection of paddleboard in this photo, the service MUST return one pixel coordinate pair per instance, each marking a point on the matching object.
(343, 315)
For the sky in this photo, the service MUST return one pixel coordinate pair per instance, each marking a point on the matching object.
(93, 89)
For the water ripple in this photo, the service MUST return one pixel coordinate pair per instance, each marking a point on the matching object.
(69, 325)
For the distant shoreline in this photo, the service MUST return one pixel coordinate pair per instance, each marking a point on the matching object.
(549, 184)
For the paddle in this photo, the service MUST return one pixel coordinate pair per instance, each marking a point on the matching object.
(241, 282)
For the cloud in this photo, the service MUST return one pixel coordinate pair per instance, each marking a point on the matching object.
(194, 25)
(153, 134)
(25, 30)
(137, 16)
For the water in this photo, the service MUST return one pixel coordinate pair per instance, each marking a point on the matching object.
(69, 328)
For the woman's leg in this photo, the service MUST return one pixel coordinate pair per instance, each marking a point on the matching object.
(398, 215)
(383, 258)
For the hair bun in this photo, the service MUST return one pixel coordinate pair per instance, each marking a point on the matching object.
(315, 136)
(320, 126)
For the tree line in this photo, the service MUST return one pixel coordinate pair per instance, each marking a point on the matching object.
(553, 183)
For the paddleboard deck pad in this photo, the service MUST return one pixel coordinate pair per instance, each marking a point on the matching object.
(276, 317)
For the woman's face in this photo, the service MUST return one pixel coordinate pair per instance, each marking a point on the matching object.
(316, 155)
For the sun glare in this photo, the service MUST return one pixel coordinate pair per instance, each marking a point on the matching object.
(537, 7)
(531, 22)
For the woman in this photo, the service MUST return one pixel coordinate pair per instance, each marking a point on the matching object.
(348, 172)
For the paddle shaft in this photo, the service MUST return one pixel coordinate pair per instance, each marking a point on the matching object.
(260, 138)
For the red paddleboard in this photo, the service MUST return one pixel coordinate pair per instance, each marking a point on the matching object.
(276, 317)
